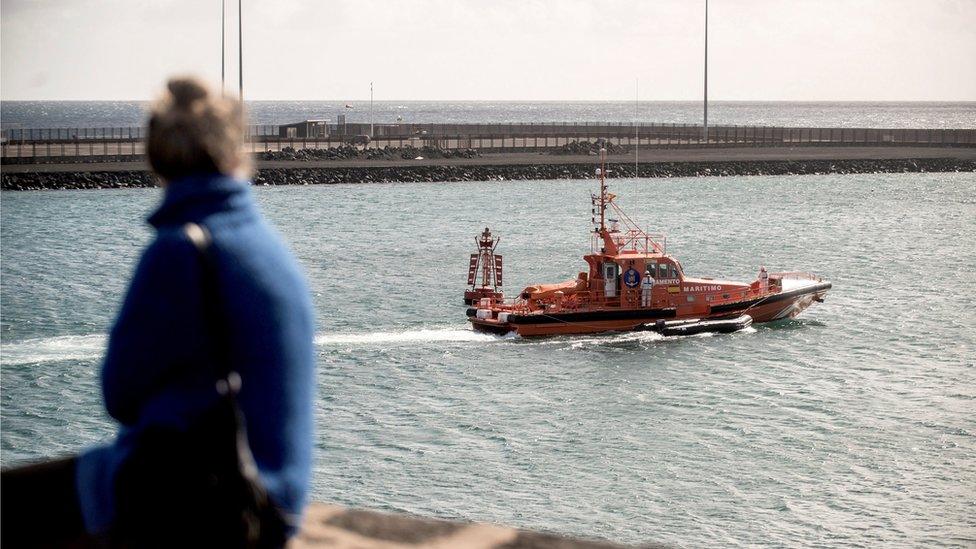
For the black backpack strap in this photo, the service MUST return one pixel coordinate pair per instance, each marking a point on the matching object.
(202, 240)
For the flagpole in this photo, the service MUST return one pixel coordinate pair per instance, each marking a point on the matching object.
(370, 110)
(636, 125)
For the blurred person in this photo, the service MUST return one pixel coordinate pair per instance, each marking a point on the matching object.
(216, 289)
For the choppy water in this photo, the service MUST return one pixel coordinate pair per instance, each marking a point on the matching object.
(81, 114)
(850, 426)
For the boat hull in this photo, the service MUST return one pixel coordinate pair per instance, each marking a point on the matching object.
(778, 306)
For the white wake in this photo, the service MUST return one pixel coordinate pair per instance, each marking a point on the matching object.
(403, 337)
(53, 349)
(92, 347)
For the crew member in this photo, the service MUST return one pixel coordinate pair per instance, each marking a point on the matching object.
(647, 288)
(763, 279)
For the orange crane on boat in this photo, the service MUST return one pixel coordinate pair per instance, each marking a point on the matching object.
(488, 265)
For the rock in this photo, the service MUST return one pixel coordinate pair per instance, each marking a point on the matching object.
(298, 175)
(588, 148)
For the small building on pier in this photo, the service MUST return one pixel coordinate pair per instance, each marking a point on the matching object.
(308, 129)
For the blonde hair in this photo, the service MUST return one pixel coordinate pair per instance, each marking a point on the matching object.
(192, 131)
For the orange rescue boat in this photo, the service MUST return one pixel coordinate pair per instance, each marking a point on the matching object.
(632, 282)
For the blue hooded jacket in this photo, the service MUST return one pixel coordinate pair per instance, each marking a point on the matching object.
(157, 370)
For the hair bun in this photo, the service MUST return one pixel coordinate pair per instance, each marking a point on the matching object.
(186, 91)
(194, 129)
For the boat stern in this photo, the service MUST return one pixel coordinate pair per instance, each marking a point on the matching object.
(488, 320)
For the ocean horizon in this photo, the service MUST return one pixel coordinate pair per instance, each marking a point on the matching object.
(867, 114)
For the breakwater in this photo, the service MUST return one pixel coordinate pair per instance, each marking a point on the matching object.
(298, 173)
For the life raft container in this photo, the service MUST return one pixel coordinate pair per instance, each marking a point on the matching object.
(696, 326)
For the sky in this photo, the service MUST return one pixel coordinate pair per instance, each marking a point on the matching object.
(764, 50)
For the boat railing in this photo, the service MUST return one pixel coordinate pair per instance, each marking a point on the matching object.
(633, 240)
(585, 299)
(726, 295)
(798, 275)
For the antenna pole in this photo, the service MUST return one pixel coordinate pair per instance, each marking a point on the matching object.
(223, 13)
(240, 48)
(705, 125)
(371, 110)
(636, 126)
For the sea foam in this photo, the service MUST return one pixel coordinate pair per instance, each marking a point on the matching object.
(53, 349)
(403, 337)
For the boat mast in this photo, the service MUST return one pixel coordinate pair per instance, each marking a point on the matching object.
(603, 189)
(609, 246)
(485, 270)
(486, 258)
(487, 266)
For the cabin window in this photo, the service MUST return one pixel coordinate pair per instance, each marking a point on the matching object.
(691, 298)
(662, 270)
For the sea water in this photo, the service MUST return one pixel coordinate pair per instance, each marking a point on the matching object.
(850, 425)
(858, 114)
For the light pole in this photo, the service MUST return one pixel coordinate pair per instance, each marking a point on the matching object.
(240, 47)
(223, 13)
(705, 125)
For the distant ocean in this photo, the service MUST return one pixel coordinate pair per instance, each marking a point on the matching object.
(78, 114)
